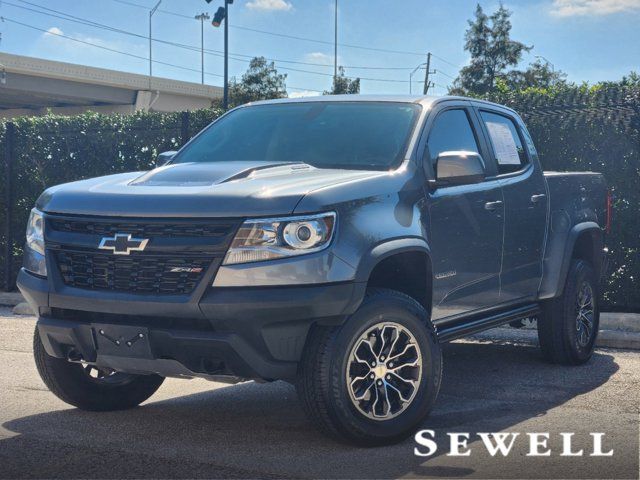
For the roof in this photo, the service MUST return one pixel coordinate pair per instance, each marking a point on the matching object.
(422, 99)
(425, 100)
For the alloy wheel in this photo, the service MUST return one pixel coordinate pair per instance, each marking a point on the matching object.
(384, 369)
(585, 314)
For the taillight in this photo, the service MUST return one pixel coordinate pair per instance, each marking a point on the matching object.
(609, 217)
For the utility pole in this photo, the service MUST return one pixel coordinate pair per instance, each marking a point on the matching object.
(202, 17)
(427, 72)
(151, 12)
(335, 44)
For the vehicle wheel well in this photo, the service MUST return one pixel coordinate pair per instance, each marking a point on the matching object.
(587, 248)
(406, 272)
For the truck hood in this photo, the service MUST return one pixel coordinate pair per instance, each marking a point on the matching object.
(220, 189)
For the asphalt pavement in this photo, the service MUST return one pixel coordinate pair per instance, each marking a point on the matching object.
(198, 429)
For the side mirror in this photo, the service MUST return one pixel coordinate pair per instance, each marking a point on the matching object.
(165, 157)
(459, 168)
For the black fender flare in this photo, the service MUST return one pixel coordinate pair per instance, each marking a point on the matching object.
(387, 249)
(556, 268)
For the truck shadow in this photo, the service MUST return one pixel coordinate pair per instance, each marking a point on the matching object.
(258, 430)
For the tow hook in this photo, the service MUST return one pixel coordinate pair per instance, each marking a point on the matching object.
(74, 356)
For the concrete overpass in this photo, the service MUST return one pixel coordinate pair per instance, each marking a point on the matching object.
(32, 86)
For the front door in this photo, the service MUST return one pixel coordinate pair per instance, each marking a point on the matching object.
(466, 223)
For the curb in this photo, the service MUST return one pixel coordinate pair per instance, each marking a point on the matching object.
(618, 339)
(623, 322)
(23, 308)
(606, 338)
(10, 299)
(626, 322)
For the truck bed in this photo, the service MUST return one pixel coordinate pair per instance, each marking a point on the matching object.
(575, 198)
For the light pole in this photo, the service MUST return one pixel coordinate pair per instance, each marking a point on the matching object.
(202, 17)
(553, 69)
(151, 12)
(220, 15)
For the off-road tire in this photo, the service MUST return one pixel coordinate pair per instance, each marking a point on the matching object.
(557, 332)
(322, 386)
(69, 382)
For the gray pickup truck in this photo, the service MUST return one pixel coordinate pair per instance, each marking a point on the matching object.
(332, 242)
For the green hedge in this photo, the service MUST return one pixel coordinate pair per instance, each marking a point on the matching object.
(575, 129)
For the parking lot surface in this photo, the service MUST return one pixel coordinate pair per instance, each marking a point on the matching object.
(196, 428)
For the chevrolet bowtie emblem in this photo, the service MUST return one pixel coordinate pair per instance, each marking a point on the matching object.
(123, 244)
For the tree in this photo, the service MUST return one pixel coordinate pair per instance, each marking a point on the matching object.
(488, 41)
(261, 81)
(343, 85)
(538, 75)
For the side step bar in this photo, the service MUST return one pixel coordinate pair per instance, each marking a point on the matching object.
(471, 325)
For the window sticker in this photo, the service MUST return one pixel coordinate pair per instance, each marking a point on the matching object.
(503, 143)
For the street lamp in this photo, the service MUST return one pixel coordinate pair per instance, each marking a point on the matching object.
(202, 17)
(220, 15)
(151, 12)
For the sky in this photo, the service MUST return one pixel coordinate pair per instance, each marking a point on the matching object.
(380, 41)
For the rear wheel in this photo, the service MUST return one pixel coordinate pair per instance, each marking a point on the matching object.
(568, 326)
(89, 387)
(375, 378)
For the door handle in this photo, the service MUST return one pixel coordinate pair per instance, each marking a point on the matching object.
(492, 205)
(538, 197)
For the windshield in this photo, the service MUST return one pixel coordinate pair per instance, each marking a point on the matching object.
(350, 135)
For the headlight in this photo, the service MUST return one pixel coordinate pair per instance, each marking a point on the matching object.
(35, 236)
(271, 238)
(34, 257)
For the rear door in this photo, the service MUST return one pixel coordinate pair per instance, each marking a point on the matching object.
(525, 198)
(466, 221)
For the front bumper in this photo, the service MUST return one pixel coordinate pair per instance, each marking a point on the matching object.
(257, 332)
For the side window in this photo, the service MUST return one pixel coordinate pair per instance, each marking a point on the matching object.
(451, 131)
(506, 142)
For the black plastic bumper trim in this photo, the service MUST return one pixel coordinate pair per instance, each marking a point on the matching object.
(253, 332)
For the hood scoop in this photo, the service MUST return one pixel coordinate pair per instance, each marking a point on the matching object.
(271, 171)
(213, 173)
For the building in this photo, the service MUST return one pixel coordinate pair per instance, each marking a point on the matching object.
(33, 86)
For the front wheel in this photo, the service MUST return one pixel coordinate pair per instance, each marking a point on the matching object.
(568, 326)
(91, 388)
(374, 379)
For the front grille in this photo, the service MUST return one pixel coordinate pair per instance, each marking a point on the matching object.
(133, 274)
(145, 229)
